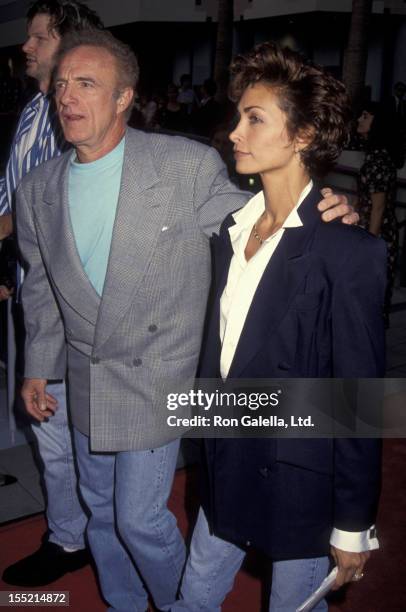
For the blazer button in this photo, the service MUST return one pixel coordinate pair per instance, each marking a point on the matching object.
(248, 543)
(264, 472)
(137, 362)
(95, 360)
(284, 365)
(152, 328)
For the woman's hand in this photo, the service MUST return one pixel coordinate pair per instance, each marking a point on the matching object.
(350, 565)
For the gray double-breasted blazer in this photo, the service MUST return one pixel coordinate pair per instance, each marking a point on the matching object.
(124, 350)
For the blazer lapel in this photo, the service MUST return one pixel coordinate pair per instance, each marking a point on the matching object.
(55, 226)
(280, 282)
(222, 253)
(137, 228)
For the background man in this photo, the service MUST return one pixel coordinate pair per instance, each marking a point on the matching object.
(37, 139)
(116, 237)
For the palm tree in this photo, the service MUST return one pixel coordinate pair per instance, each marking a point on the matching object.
(356, 52)
(224, 47)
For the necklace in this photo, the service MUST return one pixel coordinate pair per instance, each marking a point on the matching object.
(256, 235)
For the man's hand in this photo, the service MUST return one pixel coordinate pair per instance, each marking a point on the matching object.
(5, 293)
(38, 403)
(335, 206)
(350, 565)
(6, 226)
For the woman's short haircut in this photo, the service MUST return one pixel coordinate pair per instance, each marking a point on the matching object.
(315, 103)
(124, 56)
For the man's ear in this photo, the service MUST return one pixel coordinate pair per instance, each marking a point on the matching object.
(54, 33)
(124, 99)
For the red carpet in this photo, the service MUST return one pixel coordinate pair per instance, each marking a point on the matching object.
(382, 590)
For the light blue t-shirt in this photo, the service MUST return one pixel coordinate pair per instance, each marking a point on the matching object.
(93, 195)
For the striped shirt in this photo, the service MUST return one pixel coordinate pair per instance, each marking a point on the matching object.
(38, 138)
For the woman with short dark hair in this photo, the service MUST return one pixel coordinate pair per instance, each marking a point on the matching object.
(293, 298)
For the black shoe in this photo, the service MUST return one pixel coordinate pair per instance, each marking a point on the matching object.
(47, 564)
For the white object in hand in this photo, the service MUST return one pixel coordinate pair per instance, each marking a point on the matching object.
(319, 593)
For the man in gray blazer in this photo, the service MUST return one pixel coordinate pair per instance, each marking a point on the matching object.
(116, 294)
(116, 240)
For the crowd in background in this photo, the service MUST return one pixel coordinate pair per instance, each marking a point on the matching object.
(182, 108)
(193, 110)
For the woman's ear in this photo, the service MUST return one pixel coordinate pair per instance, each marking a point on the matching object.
(304, 137)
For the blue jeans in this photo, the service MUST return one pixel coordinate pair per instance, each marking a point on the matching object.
(65, 515)
(213, 564)
(133, 536)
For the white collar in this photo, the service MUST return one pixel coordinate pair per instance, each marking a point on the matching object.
(249, 214)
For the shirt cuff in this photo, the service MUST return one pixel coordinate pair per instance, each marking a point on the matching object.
(355, 541)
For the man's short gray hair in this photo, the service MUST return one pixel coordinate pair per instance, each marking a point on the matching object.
(126, 61)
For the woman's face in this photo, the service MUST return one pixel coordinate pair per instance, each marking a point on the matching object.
(364, 123)
(261, 140)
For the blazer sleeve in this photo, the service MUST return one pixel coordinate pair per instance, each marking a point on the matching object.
(45, 350)
(215, 196)
(357, 312)
(359, 352)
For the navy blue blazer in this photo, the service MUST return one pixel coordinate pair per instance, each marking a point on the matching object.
(317, 312)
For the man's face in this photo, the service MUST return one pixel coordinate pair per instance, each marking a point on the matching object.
(364, 123)
(90, 107)
(40, 48)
